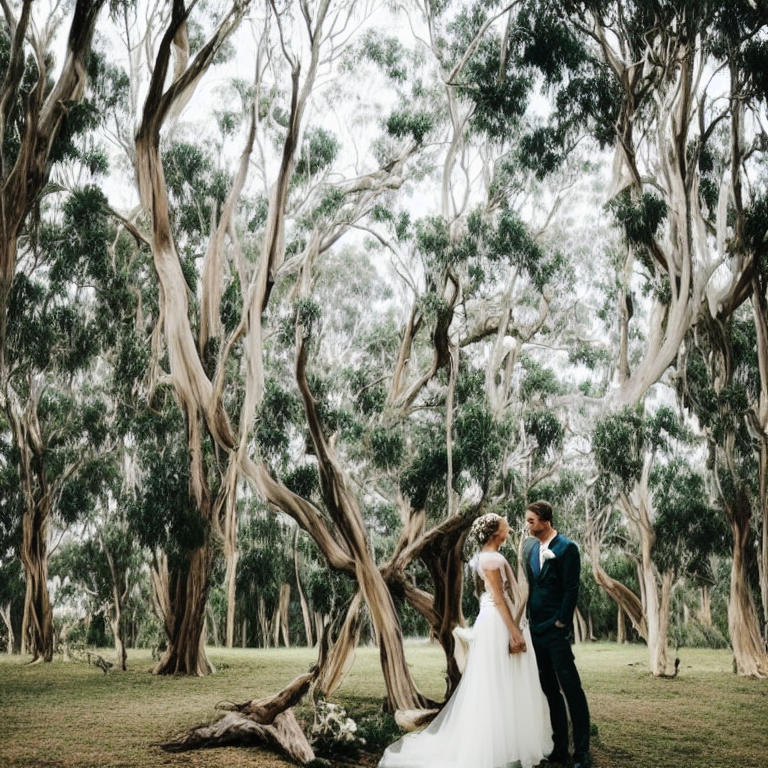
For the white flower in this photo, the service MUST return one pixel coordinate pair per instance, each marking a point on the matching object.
(548, 554)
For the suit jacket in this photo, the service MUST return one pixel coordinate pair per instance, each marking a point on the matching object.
(552, 593)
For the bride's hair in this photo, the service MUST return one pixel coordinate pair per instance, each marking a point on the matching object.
(484, 527)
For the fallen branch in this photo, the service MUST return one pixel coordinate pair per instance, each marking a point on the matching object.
(284, 733)
(268, 722)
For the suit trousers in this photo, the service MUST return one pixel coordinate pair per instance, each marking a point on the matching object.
(561, 683)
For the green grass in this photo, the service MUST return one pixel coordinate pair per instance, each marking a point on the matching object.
(70, 715)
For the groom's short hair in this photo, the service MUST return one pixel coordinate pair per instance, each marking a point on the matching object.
(542, 509)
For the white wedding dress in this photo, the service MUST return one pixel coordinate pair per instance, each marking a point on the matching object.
(498, 716)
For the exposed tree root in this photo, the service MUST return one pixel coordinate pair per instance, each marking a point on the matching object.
(268, 722)
(414, 719)
(284, 734)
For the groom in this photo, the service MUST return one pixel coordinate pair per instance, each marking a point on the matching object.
(553, 568)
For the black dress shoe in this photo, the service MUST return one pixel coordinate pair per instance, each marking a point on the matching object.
(582, 761)
(556, 758)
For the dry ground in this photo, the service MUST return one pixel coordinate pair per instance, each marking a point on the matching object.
(70, 715)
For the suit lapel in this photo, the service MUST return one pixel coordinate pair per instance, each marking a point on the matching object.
(527, 560)
(554, 548)
(535, 559)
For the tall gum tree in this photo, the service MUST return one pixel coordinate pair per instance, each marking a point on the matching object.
(168, 90)
(57, 419)
(305, 213)
(33, 109)
(676, 76)
(721, 383)
(665, 505)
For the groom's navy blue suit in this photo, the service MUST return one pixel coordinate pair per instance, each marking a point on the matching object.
(553, 591)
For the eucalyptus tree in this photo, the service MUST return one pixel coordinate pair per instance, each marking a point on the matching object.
(669, 523)
(102, 566)
(58, 418)
(671, 88)
(38, 116)
(721, 384)
(190, 376)
(39, 107)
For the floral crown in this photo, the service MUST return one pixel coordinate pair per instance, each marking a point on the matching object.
(484, 527)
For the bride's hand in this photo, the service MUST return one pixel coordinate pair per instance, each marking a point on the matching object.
(517, 643)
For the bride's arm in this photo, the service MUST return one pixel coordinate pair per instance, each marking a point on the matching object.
(518, 596)
(495, 587)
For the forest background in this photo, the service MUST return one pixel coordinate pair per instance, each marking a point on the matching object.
(290, 292)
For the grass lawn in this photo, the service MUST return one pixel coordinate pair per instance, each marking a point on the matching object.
(70, 715)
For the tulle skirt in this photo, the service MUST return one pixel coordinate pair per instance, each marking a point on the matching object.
(497, 717)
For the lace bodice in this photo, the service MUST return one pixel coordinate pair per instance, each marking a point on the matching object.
(482, 563)
(492, 561)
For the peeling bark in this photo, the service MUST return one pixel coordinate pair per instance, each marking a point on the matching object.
(743, 626)
(37, 623)
(181, 597)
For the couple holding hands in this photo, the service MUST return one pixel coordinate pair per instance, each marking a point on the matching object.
(509, 710)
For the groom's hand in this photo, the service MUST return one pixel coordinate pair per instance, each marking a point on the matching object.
(517, 647)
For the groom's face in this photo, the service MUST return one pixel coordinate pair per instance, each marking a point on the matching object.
(536, 527)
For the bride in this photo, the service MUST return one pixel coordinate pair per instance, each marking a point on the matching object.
(498, 716)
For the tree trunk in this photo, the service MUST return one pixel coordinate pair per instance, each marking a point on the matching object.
(121, 655)
(342, 505)
(231, 552)
(580, 629)
(743, 626)
(37, 625)
(116, 613)
(5, 613)
(275, 628)
(656, 591)
(704, 614)
(285, 606)
(763, 549)
(211, 621)
(337, 646)
(305, 612)
(446, 567)
(625, 598)
(183, 597)
(230, 581)
(759, 417)
(263, 624)
(621, 626)
(655, 587)
(658, 627)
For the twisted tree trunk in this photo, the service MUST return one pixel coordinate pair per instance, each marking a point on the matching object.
(37, 624)
(116, 613)
(743, 625)
(5, 613)
(22, 182)
(181, 594)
